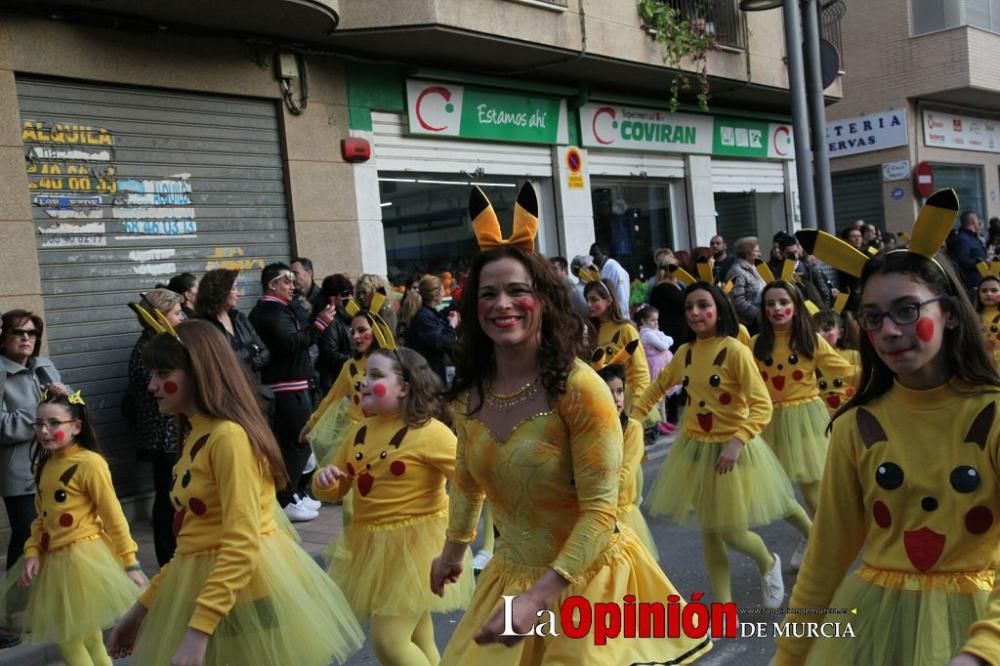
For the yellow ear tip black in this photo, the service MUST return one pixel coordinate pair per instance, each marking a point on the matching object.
(807, 239)
(477, 202)
(946, 199)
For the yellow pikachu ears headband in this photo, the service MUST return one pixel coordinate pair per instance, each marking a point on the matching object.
(486, 225)
(151, 316)
(380, 329)
(73, 398)
(991, 269)
(934, 223)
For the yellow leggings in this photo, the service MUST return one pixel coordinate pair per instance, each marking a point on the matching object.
(799, 519)
(404, 640)
(86, 651)
(717, 560)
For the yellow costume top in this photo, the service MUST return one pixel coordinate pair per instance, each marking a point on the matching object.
(912, 480)
(726, 395)
(633, 450)
(398, 472)
(836, 389)
(224, 498)
(791, 377)
(76, 500)
(744, 335)
(347, 385)
(564, 462)
(990, 318)
(612, 337)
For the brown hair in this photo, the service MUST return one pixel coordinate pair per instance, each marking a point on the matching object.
(12, 318)
(213, 290)
(222, 388)
(428, 288)
(423, 402)
(603, 286)
(560, 327)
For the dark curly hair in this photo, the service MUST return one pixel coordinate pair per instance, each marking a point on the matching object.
(560, 327)
(213, 290)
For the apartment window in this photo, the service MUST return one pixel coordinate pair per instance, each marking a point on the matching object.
(721, 18)
(934, 15)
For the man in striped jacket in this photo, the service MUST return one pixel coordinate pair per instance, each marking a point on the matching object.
(287, 374)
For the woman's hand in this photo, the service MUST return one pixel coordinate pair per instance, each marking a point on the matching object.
(122, 638)
(730, 454)
(57, 389)
(32, 565)
(304, 434)
(138, 578)
(966, 659)
(523, 617)
(330, 476)
(327, 314)
(192, 649)
(444, 572)
(454, 318)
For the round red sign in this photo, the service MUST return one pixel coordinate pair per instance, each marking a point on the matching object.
(923, 179)
(574, 160)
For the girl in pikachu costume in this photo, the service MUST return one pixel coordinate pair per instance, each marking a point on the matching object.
(988, 307)
(539, 438)
(79, 565)
(912, 480)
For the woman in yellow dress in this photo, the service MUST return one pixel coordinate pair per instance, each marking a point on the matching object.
(538, 438)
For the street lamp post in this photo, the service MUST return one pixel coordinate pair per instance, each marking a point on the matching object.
(817, 117)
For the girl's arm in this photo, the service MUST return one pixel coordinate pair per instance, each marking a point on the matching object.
(656, 339)
(33, 546)
(755, 392)
(669, 377)
(637, 375)
(336, 492)
(833, 364)
(838, 532)
(97, 481)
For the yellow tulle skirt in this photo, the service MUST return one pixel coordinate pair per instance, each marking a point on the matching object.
(631, 516)
(898, 627)
(689, 491)
(329, 432)
(797, 435)
(624, 568)
(80, 589)
(385, 569)
(290, 612)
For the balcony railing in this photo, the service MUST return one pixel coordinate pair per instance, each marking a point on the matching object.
(721, 18)
(830, 19)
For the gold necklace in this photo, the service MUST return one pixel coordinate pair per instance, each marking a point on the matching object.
(503, 402)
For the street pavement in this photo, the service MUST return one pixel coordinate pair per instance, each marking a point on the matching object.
(680, 554)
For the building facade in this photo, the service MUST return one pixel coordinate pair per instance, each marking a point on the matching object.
(920, 87)
(137, 143)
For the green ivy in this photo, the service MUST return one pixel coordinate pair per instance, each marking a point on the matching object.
(680, 38)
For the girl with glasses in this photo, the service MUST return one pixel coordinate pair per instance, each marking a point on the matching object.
(912, 477)
(79, 537)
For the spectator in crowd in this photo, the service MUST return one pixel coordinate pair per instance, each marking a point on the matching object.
(723, 261)
(185, 284)
(747, 283)
(576, 298)
(813, 283)
(667, 296)
(965, 249)
(580, 261)
(24, 376)
(156, 436)
(287, 375)
(613, 271)
(993, 237)
(218, 298)
(365, 288)
(432, 333)
(853, 236)
(408, 307)
(307, 292)
(335, 346)
(871, 237)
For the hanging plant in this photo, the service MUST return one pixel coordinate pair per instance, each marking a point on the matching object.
(681, 35)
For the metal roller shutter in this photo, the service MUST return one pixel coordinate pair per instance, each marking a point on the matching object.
(735, 216)
(619, 163)
(747, 176)
(130, 187)
(857, 195)
(396, 151)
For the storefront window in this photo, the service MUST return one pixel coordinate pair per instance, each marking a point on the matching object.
(967, 183)
(633, 219)
(426, 220)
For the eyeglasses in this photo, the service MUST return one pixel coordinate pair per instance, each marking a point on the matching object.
(901, 314)
(52, 424)
(24, 332)
(347, 293)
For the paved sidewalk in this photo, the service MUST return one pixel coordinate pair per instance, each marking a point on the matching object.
(315, 537)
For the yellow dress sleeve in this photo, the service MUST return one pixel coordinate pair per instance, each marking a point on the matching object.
(336, 492)
(984, 635)
(238, 475)
(637, 373)
(33, 546)
(466, 498)
(754, 390)
(838, 532)
(669, 377)
(831, 363)
(632, 452)
(102, 493)
(341, 389)
(595, 444)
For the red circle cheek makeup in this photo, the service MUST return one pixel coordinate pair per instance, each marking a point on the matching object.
(925, 329)
(379, 390)
(169, 387)
(59, 435)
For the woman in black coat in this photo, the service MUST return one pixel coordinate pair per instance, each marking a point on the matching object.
(432, 333)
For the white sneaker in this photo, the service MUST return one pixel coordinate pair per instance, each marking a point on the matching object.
(308, 502)
(481, 559)
(310, 464)
(298, 513)
(797, 556)
(772, 587)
